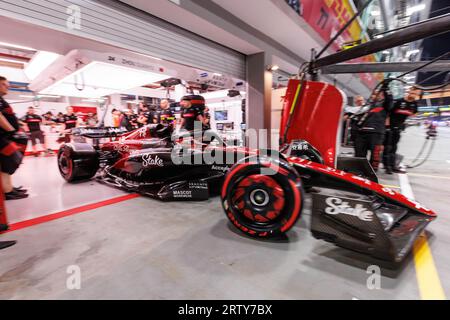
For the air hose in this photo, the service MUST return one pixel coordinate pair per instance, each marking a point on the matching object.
(429, 143)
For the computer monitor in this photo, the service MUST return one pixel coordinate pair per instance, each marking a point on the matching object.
(221, 115)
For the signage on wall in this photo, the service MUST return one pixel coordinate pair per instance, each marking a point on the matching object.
(213, 79)
(123, 61)
(327, 17)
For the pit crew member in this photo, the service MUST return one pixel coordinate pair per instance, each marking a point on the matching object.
(372, 127)
(70, 121)
(10, 154)
(164, 114)
(402, 109)
(32, 123)
(192, 111)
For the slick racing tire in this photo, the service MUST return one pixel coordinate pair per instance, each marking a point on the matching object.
(75, 166)
(262, 196)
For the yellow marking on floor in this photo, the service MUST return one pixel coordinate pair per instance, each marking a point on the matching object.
(428, 176)
(430, 286)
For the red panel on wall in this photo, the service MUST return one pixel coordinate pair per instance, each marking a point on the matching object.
(85, 110)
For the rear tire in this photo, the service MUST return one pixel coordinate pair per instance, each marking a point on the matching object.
(262, 197)
(74, 166)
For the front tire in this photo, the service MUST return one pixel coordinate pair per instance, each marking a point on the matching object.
(74, 166)
(262, 197)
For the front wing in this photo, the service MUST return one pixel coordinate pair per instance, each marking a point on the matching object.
(361, 215)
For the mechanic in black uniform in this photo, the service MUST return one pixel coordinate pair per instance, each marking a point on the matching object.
(33, 123)
(402, 109)
(127, 120)
(133, 120)
(354, 115)
(70, 121)
(372, 126)
(206, 119)
(10, 154)
(164, 114)
(192, 111)
(149, 114)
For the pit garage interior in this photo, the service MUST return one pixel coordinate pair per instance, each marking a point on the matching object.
(129, 246)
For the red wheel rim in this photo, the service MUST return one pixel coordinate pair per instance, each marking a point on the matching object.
(65, 165)
(260, 198)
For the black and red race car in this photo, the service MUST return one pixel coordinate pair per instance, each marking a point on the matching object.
(261, 191)
(263, 196)
(150, 161)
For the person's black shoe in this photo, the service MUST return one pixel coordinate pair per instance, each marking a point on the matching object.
(399, 170)
(6, 244)
(14, 195)
(388, 170)
(20, 190)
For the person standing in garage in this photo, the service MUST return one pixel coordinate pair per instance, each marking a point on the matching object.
(10, 155)
(372, 126)
(164, 115)
(360, 103)
(70, 121)
(32, 122)
(207, 119)
(126, 120)
(402, 109)
(192, 111)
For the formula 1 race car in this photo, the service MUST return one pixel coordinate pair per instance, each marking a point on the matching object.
(263, 196)
(149, 161)
(262, 191)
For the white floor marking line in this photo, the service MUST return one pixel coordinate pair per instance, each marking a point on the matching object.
(428, 176)
(405, 186)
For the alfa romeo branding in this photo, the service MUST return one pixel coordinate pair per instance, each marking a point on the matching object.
(149, 160)
(142, 133)
(122, 148)
(339, 206)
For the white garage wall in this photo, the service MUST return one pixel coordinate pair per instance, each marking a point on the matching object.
(42, 107)
(234, 112)
(277, 107)
(13, 74)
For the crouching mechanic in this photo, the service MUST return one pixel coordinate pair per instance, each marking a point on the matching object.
(402, 109)
(10, 152)
(33, 122)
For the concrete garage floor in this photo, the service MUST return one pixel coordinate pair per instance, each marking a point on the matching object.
(146, 249)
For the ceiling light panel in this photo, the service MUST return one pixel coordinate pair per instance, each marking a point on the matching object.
(40, 61)
(15, 46)
(98, 79)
